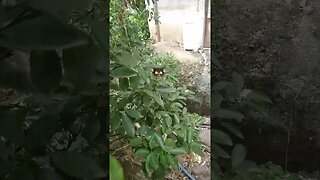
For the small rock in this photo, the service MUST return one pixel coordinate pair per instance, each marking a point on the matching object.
(207, 121)
(199, 171)
(205, 136)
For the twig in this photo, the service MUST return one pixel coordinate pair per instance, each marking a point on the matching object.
(289, 132)
(119, 149)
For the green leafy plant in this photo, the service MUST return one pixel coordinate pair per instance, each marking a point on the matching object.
(229, 97)
(150, 113)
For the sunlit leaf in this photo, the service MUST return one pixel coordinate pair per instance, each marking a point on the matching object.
(175, 151)
(123, 72)
(156, 97)
(134, 113)
(116, 170)
(128, 125)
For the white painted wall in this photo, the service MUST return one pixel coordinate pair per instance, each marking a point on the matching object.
(173, 16)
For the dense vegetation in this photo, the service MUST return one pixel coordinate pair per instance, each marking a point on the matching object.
(147, 112)
(54, 125)
(55, 129)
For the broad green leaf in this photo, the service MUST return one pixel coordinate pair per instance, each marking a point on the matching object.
(134, 114)
(221, 85)
(135, 142)
(146, 101)
(123, 84)
(49, 174)
(228, 114)
(145, 130)
(167, 90)
(180, 133)
(160, 140)
(176, 119)
(128, 60)
(200, 121)
(164, 161)
(173, 161)
(220, 152)
(189, 136)
(168, 121)
(170, 143)
(41, 33)
(238, 81)
(181, 98)
(233, 129)
(176, 104)
(122, 103)
(77, 165)
(123, 72)
(163, 113)
(128, 125)
(156, 97)
(115, 121)
(152, 142)
(175, 151)
(221, 137)
(116, 170)
(142, 152)
(152, 162)
(238, 154)
(196, 147)
(45, 70)
(134, 82)
(173, 96)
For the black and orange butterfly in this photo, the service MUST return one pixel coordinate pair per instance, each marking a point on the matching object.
(158, 72)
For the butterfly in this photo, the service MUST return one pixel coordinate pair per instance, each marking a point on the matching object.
(158, 72)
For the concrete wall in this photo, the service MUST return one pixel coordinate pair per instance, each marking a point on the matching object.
(173, 15)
